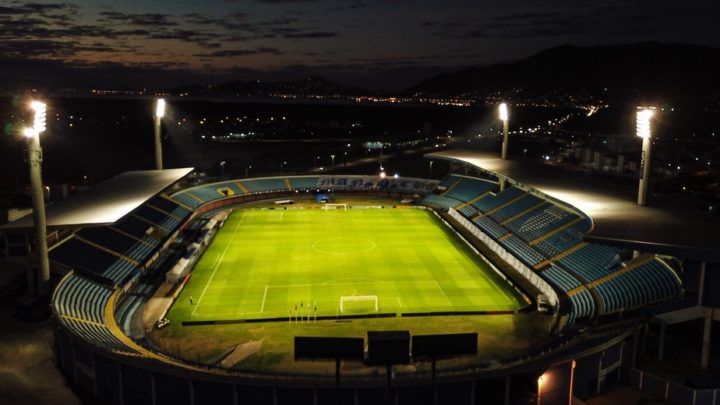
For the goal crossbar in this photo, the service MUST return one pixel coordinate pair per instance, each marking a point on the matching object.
(357, 298)
(329, 206)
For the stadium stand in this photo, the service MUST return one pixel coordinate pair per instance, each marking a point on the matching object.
(544, 235)
(438, 201)
(466, 188)
(491, 202)
(303, 183)
(80, 306)
(266, 185)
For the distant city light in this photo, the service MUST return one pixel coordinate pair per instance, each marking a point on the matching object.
(644, 115)
(503, 111)
(160, 108)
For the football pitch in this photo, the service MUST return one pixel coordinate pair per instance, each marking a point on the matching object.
(309, 262)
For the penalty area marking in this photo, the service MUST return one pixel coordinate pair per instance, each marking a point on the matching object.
(217, 264)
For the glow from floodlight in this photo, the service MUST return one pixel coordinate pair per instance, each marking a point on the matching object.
(397, 176)
(29, 132)
(160, 108)
(642, 124)
(503, 111)
(382, 175)
(40, 118)
(541, 382)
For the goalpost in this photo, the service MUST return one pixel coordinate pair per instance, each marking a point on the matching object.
(373, 299)
(329, 206)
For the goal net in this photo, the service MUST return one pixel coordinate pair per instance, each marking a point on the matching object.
(358, 303)
(335, 207)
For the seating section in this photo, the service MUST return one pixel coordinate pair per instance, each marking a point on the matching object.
(438, 201)
(638, 285)
(581, 304)
(522, 250)
(266, 185)
(197, 196)
(516, 207)
(542, 234)
(80, 306)
(90, 260)
(539, 222)
(303, 183)
(565, 239)
(112, 253)
(466, 188)
(468, 211)
(490, 227)
(592, 261)
(491, 202)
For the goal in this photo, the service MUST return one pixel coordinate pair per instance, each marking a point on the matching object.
(356, 303)
(335, 207)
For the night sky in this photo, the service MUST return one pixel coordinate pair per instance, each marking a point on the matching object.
(380, 44)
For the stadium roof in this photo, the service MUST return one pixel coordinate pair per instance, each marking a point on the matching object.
(106, 202)
(661, 227)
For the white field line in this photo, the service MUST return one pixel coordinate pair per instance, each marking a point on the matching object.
(443, 293)
(262, 306)
(217, 264)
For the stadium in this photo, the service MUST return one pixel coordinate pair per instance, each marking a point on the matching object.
(498, 283)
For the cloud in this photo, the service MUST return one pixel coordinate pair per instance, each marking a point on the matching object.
(145, 19)
(225, 53)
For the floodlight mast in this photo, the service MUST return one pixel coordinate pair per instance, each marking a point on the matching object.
(504, 116)
(644, 130)
(34, 158)
(159, 114)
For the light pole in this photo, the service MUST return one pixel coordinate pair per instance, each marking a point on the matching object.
(159, 114)
(503, 112)
(540, 382)
(430, 169)
(332, 159)
(247, 169)
(644, 131)
(34, 158)
(282, 166)
(222, 168)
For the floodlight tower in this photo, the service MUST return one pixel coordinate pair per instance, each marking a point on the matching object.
(159, 114)
(34, 158)
(644, 131)
(503, 113)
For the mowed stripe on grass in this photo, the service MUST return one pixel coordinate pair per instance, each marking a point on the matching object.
(265, 263)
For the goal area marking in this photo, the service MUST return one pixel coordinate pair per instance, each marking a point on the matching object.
(338, 206)
(357, 298)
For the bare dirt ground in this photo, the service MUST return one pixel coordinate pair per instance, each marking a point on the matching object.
(28, 374)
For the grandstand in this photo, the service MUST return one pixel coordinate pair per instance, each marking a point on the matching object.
(537, 244)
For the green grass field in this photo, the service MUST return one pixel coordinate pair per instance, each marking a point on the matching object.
(265, 263)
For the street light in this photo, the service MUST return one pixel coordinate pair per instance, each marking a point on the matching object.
(34, 158)
(159, 114)
(643, 130)
(504, 116)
